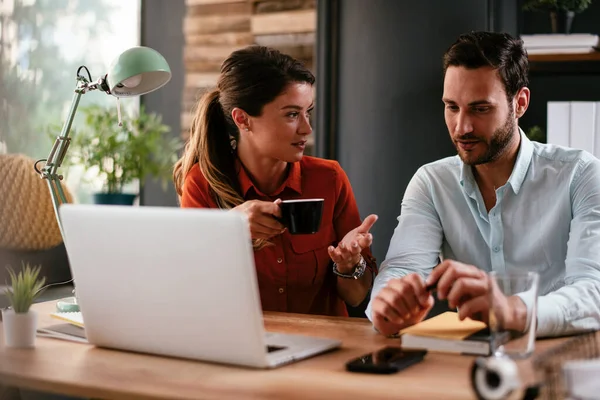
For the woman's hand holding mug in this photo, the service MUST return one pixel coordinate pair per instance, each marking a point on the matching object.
(263, 218)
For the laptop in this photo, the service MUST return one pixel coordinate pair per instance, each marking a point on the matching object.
(174, 282)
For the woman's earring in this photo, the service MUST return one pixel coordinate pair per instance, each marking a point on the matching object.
(246, 129)
(232, 143)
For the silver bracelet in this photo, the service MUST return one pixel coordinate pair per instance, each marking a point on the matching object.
(359, 270)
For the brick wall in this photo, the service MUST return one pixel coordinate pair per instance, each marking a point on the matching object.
(214, 28)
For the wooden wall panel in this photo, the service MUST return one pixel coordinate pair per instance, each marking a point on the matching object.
(215, 28)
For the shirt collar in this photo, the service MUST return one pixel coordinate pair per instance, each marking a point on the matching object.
(293, 180)
(524, 156)
(467, 181)
(522, 164)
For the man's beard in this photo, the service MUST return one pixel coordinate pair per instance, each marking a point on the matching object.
(496, 146)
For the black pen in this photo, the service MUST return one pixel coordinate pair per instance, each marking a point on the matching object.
(431, 287)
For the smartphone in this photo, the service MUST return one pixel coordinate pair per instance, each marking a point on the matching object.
(386, 361)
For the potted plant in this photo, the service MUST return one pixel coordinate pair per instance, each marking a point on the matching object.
(536, 134)
(139, 148)
(561, 12)
(20, 323)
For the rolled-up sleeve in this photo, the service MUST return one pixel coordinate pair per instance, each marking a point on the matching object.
(417, 239)
(576, 305)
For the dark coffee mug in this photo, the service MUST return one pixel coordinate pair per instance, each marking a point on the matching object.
(302, 216)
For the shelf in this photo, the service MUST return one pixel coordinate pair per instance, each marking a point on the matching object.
(574, 63)
(565, 57)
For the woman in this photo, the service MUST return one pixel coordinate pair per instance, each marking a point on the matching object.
(245, 153)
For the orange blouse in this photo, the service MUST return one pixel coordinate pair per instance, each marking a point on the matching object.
(295, 275)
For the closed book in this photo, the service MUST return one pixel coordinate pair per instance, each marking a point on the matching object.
(72, 330)
(66, 331)
(73, 317)
(447, 333)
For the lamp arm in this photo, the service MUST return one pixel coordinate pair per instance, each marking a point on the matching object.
(58, 197)
(59, 150)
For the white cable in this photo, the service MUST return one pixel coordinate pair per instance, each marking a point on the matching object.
(119, 111)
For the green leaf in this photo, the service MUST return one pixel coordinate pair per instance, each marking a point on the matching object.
(142, 147)
(536, 134)
(25, 286)
(553, 5)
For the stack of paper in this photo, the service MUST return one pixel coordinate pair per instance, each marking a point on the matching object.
(560, 43)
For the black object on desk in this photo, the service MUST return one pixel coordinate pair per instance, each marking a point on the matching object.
(386, 361)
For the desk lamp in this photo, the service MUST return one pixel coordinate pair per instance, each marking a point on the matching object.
(136, 71)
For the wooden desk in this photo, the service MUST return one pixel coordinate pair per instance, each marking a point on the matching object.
(84, 370)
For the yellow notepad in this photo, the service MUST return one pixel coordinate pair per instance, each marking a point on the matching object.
(74, 318)
(446, 333)
(445, 326)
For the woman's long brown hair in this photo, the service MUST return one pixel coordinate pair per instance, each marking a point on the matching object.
(249, 79)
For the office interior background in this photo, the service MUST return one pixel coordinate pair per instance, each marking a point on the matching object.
(378, 65)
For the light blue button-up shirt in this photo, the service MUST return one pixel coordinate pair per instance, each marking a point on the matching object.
(546, 219)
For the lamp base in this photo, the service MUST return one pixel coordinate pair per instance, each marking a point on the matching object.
(124, 199)
(68, 304)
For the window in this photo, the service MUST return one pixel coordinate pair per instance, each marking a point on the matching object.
(42, 43)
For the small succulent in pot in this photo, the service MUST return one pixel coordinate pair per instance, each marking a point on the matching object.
(25, 287)
(19, 322)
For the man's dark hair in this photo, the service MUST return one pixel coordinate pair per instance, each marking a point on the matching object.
(489, 49)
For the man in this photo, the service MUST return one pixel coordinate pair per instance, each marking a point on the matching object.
(503, 204)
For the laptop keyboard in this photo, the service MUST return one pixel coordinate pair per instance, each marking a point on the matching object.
(271, 349)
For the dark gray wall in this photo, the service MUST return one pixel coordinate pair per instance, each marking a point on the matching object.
(162, 29)
(504, 16)
(389, 114)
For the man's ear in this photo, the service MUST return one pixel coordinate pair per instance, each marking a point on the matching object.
(522, 101)
(241, 119)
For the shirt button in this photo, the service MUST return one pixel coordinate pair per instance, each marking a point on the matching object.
(281, 290)
(279, 260)
(496, 249)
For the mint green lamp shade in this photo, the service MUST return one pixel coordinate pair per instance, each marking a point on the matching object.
(137, 71)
